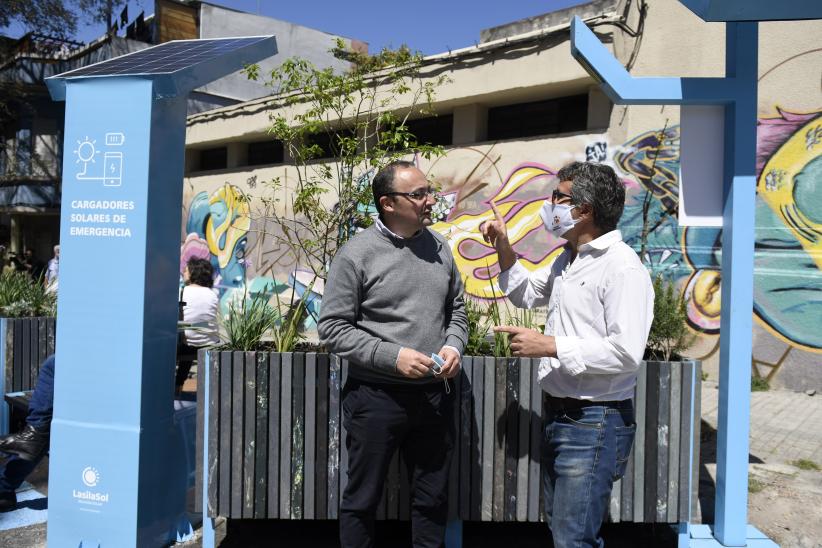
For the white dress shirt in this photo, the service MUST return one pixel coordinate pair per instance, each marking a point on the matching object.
(600, 308)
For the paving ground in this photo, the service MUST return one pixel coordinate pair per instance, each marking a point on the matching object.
(785, 501)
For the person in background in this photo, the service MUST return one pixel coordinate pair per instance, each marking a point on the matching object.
(53, 268)
(200, 304)
(26, 448)
(600, 306)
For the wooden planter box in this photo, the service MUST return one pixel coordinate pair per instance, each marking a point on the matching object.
(276, 441)
(24, 344)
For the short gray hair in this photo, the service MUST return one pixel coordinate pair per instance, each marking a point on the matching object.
(598, 186)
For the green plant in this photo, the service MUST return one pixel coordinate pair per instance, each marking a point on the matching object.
(704, 375)
(754, 485)
(478, 329)
(521, 317)
(759, 384)
(22, 296)
(669, 334)
(338, 128)
(287, 331)
(806, 464)
(247, 322)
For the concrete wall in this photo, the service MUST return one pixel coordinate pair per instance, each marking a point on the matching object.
(292, 40)
(641, 143)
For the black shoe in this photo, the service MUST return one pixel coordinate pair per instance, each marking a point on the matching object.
(8, 501)
(30, 444)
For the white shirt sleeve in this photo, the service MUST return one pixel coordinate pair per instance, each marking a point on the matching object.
(526, 289)
(629, 309)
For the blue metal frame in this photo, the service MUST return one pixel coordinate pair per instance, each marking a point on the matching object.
(738, 93)
(118, 466)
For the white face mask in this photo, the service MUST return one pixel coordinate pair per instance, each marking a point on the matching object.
(557, 218)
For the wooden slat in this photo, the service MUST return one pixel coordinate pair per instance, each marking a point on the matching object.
(511, 436)
(310, 435)
(489, 368)
(297, 435)
(321, 496)
(614, 502)
(200, 429)
(17, 356)
(626, 491)
(697, 428)
(498, 429)
(285, 434)
(249, 433)
(663, 441)
(343, 433)
(226, 411)
(237, 432)
(25, 356)
(477, 394)
(535, 448)
(43, 344)
(333, 482)
(523, 438)
(52, 335)
(274, 437)
(34, 353)
(687, 384)
(214, 426)
(462, 451)
(453, 476)
(639, 443)
(261, 435)
(674, 433)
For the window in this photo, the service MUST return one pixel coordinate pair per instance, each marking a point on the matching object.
(213, 158)
(436, 130)
(265, 152)
(23, 151)
(328, 143)
(561, 115)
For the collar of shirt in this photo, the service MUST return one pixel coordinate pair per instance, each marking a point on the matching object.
(385, 231)
(601, 243)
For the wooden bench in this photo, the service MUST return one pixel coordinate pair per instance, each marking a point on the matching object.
(24, 344)
(270, 430)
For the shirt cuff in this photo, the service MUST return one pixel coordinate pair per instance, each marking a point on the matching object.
(569, 354)
(455, 349)
(386, 356)
(512, 278)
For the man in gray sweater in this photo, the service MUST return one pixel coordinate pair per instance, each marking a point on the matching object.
(394, 298)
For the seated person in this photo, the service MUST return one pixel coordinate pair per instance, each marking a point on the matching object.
(26, 448)
(200, 304)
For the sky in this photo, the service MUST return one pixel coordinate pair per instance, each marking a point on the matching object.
(430, 26)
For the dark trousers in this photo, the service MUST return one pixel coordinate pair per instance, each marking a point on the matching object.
(41, 407)
(380, 419)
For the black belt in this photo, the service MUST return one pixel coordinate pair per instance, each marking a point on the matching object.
(573, 404)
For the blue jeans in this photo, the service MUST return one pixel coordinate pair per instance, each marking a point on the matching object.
(584, 451)
(41, 406)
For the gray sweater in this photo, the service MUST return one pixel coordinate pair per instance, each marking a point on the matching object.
(385, 293)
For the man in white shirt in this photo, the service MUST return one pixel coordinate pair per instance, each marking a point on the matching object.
(600, 306)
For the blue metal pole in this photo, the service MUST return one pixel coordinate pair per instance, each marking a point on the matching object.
(737, 287)
(4, 408)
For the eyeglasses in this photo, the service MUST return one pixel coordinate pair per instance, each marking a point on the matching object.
(416, 194)
(557, 196)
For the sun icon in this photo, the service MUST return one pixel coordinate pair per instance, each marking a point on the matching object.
(91, 476)
(85, 152)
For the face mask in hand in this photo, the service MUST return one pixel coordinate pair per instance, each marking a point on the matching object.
(557, 218)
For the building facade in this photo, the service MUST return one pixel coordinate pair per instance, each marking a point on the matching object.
(516, 109)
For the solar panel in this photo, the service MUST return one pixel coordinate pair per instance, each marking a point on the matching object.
(166, 58)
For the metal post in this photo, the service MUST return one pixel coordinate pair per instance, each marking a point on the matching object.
(209, 540)
(737, 287)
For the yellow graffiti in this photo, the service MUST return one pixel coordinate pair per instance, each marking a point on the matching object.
(232, 212)
(777, 186)
(465, 228)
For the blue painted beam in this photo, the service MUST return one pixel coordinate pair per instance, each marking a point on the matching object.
(624, 89)
(754, 10)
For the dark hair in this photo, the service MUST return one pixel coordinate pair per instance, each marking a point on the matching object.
(200, 272)
(383, 182)
(598, 186)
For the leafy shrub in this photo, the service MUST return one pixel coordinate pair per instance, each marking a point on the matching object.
(669, 334)
(478, 329)
(759, 384)
(247, 322)
(22, 296)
